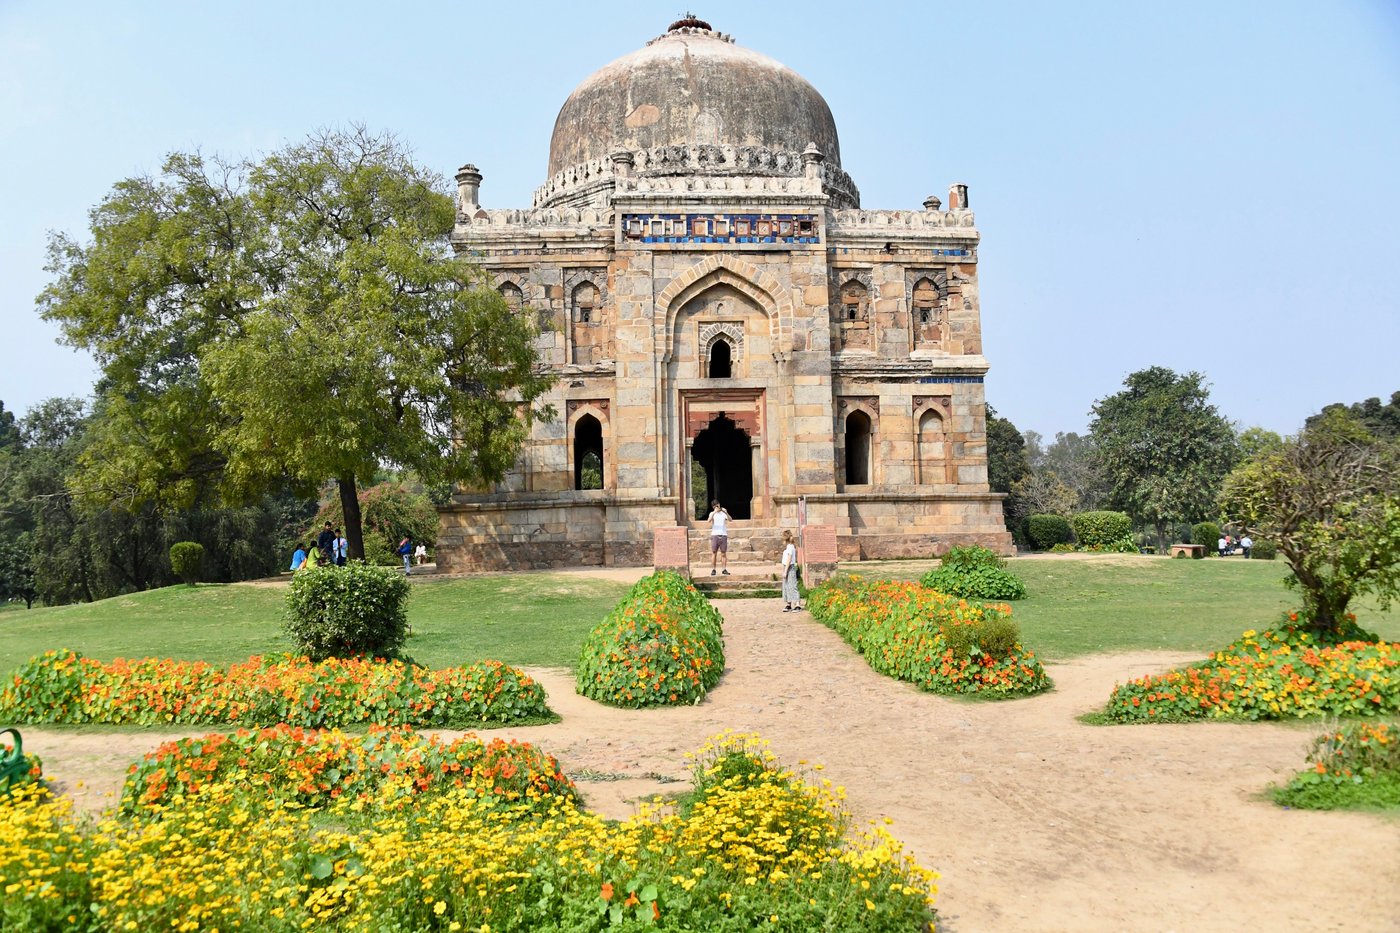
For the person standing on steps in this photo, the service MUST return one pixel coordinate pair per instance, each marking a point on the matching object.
(791, 598)
(719, 537)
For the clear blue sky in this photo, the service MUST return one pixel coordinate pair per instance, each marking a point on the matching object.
(1200, 185)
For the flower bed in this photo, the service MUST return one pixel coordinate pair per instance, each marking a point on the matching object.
(1356, 766)
(319, 768)
(1278, 674)
(660, 645)
(768, 853)
(940, 643)
(64, 687)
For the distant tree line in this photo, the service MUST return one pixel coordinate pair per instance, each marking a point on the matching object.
(1157, 450)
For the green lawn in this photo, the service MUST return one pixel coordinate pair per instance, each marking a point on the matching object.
(1076, 606)
(1083, 604)
(525, 619)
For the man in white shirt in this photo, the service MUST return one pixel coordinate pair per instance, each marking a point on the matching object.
(719, 537)
(1245, 544)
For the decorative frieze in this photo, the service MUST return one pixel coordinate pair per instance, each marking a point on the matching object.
(737, 228)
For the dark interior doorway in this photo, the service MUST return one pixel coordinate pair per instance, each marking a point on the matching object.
(721, 361)
(858, 449)
(722, 468)
(588, 453)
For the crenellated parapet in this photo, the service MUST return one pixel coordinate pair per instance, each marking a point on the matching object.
(703, 168)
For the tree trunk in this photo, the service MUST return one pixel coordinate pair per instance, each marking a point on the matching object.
(1162, 542)
(350, 506)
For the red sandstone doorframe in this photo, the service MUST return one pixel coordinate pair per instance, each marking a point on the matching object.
(697, 408)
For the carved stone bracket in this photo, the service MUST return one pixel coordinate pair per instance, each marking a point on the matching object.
(869, 402)
(601, 404)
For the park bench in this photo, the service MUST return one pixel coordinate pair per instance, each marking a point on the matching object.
(14, 766)
(1190, 550)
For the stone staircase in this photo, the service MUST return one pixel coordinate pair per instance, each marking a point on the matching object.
(745, 580)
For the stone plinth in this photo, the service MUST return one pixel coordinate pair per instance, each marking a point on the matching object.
(670, 549)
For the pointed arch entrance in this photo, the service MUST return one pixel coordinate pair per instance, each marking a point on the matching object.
(722, 468)
(723, 453)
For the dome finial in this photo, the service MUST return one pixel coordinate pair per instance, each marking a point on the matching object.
(689, 21)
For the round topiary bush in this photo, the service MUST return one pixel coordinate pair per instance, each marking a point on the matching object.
(1263, 550)
(186, 560)
(1046, 531)
(974, 573)
(344, 611)
(661, 645)
(1206, 534)
(1101, 529)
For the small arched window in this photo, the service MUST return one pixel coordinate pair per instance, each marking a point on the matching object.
(588, 453)
(857, 449)
(721, 365)
(925, 302)
(585, 303)
(932, 454)
(854, 302)
(515, 299)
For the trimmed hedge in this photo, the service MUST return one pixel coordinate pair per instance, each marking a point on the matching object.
(1103, 530)
(346, 611)
(186, 560)
(937, 642)
(1046, 531)
(661, 645)
(974, 573)
(65, 687)
(1263, 550)
(1207, 534)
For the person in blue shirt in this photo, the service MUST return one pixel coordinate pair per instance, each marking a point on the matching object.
(298, 558)
(406, 552)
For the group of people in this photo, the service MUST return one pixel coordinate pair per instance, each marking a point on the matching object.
(331, 548)
(1228, 544)
(719, 556)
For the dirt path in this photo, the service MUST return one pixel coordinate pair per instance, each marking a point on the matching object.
(1035, 820)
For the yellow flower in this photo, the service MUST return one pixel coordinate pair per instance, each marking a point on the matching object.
(440, 908)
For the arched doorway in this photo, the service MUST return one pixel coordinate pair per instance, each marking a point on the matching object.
(857, 449)
(722, 468)
(588, 453)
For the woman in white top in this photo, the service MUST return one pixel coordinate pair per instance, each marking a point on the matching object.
(791, 598)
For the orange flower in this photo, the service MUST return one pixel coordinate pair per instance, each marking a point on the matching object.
(631, 901)
(606, 892)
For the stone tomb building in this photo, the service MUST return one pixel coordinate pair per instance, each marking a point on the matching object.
(726, 322)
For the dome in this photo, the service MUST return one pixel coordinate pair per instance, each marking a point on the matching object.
(691, 86)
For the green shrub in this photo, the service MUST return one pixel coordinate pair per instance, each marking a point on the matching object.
(1354, 766)
(661, 645)
(1208, 535)
(1062, 548)
(186, 559)
(379, 550)
(1263, 550)
(974, 573)
(1046, 531)
(1101, 529)
(344, 611)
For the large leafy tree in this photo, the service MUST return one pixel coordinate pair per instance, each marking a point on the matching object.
(1162, 447)
(1382, 420)
(1007, 465)
(1330, 499)
(300, 318)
